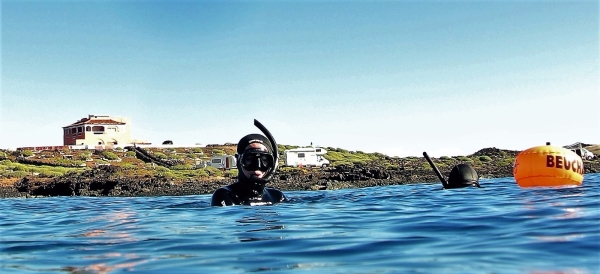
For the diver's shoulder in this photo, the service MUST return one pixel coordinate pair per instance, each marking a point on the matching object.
(274, 190)
(222, 197)
(276, 195)
(222, 190)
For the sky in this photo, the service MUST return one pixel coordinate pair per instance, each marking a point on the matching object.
(394, 77)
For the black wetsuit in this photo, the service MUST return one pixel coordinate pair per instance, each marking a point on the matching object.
(246, 192)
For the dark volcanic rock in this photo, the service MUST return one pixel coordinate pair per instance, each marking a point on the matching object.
(104, 181)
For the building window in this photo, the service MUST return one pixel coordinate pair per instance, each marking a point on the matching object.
(300, 155)
(88, 128)
(98, 128)
(80, 129)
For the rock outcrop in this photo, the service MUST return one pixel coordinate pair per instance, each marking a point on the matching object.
(108, 181)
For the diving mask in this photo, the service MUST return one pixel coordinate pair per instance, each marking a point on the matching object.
(256, 159)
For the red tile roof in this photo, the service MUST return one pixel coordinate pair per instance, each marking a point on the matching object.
(86, 121)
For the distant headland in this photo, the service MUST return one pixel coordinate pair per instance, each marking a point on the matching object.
(157, 171)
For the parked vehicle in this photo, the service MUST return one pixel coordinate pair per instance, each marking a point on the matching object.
(222, 161)
(306, 156)
(582, 152)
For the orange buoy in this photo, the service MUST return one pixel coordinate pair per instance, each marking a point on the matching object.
(548, 166)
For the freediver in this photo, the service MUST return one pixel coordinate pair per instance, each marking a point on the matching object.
(257, 161)
(461, 175)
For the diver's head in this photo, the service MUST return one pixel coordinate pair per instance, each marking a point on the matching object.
(255, 160)
(463, 175)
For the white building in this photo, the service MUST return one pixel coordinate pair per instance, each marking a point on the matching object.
(98, 130)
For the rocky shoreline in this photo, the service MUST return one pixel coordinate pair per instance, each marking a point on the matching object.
(104, 181)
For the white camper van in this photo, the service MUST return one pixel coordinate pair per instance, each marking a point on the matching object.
(305, 156)
(222, 161)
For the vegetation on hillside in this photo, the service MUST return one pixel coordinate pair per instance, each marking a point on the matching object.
(191, 162)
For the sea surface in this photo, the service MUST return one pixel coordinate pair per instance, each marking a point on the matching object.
(415, 228)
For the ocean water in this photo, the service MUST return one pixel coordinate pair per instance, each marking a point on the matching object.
(418, 228)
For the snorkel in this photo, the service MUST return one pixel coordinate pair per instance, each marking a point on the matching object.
(267, 134)
(436, 170)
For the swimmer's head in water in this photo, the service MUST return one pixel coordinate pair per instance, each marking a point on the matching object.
(463, 175)
(255, 158)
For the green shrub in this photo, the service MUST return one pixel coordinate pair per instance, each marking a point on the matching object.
(182, 167)
(231, 173)
(341, 163)
(200, 173)
(128, 166)
(341, 150)
(84, 157)
(162, 169)
(485, 158)
(19, 174)
(213, 171)
(334, 156)
(130, 154)
(109, 155)
(101, 162)
(27, 153)
(20, 167)
(49, 174)
(507, 161)
(463, 159)
(160, 155)
(175, 156)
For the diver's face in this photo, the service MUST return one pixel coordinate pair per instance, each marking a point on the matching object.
(255, 174)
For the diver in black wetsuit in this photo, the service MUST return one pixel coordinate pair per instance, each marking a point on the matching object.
(257, 158)
(461, 175)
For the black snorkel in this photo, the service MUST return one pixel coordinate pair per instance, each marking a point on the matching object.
(267, 134)
(436, 170)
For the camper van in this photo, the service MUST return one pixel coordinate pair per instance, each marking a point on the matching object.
(222, 161)
(306, 156)
(582, 152)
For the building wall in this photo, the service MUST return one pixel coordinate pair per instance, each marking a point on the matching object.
(71, 138)
(112, 134)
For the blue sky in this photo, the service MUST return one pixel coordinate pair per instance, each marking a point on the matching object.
(396, 77)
